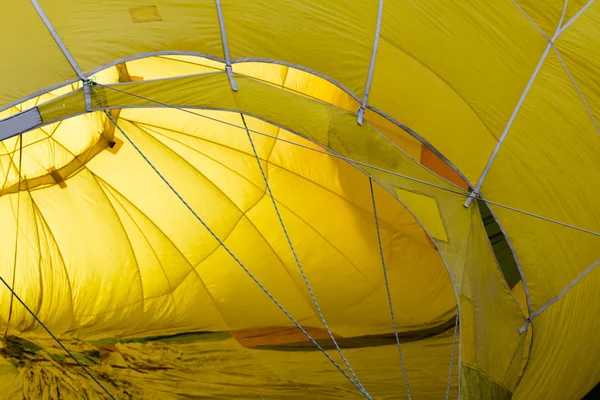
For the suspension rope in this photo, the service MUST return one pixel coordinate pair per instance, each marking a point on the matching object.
(461, 193)
(225, 44)
(328, 153)
(428, 183)
(577, 228)
(237, 260)
(10, 308)
(56, 339)
(452, 358)
(387, 287)
(289, 240)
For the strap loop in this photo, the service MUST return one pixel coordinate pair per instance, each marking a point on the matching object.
(232, 82)
(361, 115)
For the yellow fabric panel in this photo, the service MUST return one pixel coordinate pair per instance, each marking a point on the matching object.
(289, 78)
(25, 53)
(427, 104)
(456, 264)
(577, 47)
(353, 235)
(275, 74)
(335, 39)
(402, 139)
(458, 228)
(53, 146)
(565, 346)
(286, 77)
(173, 293)
(32, 268)
(243, 303)
(487, 304)
(550, 264)
(216, 93)
(83, 251)
(327, 208)
(426, 210)
(283, 76)
(349, 144)
(368, 146)
(166, 66)
(67, 99)
(467, 331)
(527, 349)
(574, 7)
(69, 104)
(300, 209)
(97, 35)
(468, 257)
(297, 121)
(372, 148)
(455, 101)
(223, 153)
(497, 316)
(142, 184)
(298, 81)
(148, 226)
(205, 256)
(319, 88)
(562, 183)
(474, 270)
(8, 170)
(36, 160)
(547, 14)
(48, 96)
(554, 139)
(506, 45)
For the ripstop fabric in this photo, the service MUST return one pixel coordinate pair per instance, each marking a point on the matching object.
(145, 116)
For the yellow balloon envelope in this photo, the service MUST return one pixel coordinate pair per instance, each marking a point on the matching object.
(299, 199)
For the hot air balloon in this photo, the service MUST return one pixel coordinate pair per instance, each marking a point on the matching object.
(299, 199)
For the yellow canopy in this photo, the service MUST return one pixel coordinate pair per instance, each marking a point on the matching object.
(299, 199)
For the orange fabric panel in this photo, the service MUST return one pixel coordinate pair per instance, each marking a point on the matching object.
(430, 160)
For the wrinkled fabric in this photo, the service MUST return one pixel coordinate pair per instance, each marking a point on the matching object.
(99, 247)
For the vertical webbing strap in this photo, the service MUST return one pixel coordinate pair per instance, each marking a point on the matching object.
(84, 79)
(387, 288)
(225, 47)
(559, 29)
(363, 106)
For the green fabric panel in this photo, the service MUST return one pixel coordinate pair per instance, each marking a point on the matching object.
(502, 250)
(475, 385)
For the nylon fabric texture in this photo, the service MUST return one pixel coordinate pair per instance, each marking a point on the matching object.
(502, 97)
